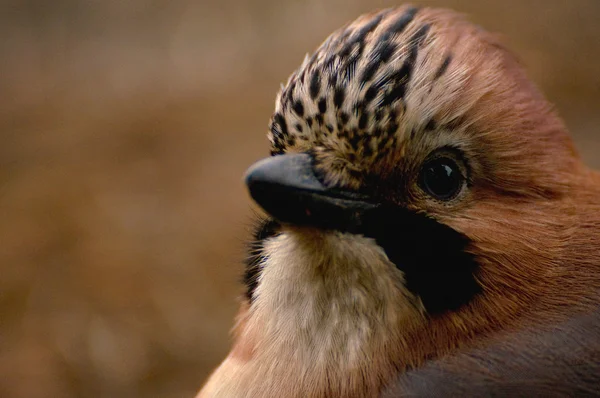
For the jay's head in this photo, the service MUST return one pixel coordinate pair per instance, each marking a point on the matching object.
(420, 133)
(421, 194)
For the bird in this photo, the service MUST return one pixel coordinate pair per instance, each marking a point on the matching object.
(429, 228)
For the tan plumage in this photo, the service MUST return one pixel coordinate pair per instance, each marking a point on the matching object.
(343, 306)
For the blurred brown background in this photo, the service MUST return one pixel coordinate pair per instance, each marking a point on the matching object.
(125, 129)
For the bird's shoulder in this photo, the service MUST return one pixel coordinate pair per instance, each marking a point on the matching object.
(562, 360)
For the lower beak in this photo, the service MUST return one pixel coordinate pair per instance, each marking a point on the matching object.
(286, 187)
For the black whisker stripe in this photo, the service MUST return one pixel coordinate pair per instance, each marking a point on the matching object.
(434, 257)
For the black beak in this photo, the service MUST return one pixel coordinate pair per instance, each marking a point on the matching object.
(286, 187)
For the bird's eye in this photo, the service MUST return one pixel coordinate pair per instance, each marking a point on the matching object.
(441, 178)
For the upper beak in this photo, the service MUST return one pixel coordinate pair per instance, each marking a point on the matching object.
(286, 187)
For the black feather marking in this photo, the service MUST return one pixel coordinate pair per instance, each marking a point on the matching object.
(344, 118)
(338, 97)
(352, 50)
(359, 35)
(288, 93)
(393, 115)
(399, 89)
(384, 49)
(431, 125)
(443, 67)
(401, 78)
(355, 174)
(311, 61)
(392, 128)
(354, 140)
(369, 71)
(370, 26)
(322, 105)
(371, 93)
(418, 37)
(264, 230)
(333, 55)
(328, 63)
(363, 120)
(315, 84)
(275, 131)
(333, 78)
(346, 50)
(298, 108)
(278, 146)
(349, 67)
(381, 54)
(367, 150)
(358, 107)
(402, 22)
(280, 121)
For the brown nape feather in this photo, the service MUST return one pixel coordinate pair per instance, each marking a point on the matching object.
(343, 309)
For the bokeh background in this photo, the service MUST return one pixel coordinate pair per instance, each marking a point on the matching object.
(125, 128)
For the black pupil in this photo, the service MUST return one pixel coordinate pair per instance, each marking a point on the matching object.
(442, 178)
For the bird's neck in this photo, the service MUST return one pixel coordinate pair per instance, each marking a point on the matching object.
(322, 323)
